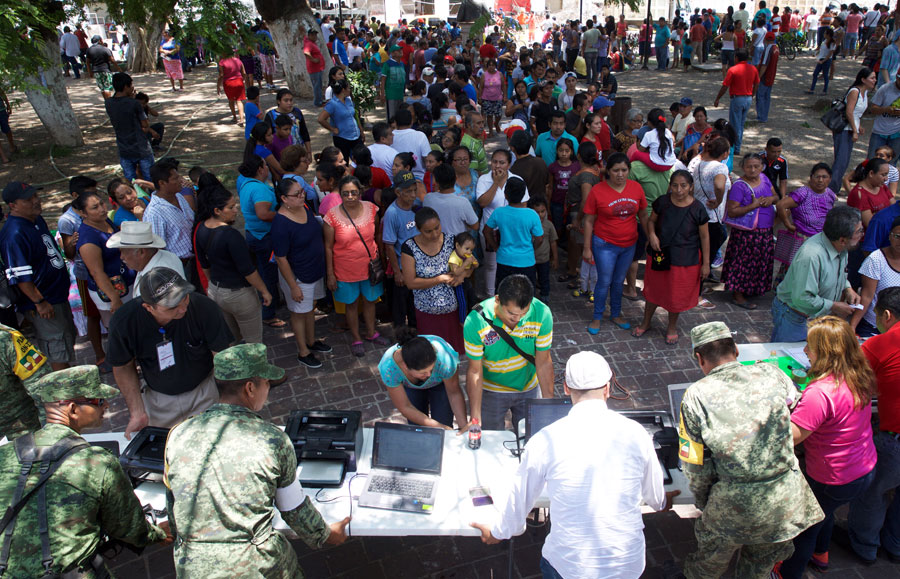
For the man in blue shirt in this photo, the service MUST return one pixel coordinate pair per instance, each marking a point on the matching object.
(340, 50)
(661, 41)
(519, 228)
(399, 225)
(35, 266)
(545, 147)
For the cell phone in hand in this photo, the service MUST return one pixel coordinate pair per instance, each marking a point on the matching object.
(481, 496)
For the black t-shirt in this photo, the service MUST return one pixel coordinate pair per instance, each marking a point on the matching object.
(125, 115)
(679, 229)
(573, 119)
(435, 89)
(99, 56)
(541, 112)
(776, 171)
(225, 254)
(134, 335)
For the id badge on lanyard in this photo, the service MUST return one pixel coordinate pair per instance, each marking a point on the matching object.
(165, 353)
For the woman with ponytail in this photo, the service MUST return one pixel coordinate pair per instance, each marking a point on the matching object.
(225, 259)
(260, 136)
(657, 147)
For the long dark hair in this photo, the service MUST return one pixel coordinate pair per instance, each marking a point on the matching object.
(866, 168)
(257, 137)
(416, 352)
(863, 74)
(657, 119)
(211, 195)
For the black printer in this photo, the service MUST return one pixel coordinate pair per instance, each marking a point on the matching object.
(327, 443)
(660, 426)
(145, 454)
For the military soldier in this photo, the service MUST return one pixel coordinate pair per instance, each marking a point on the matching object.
(86, 495)
(21, 364)
(225, 468)
(738, 457)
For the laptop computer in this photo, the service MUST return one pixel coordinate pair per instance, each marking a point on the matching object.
(541, 412)
(406, 468)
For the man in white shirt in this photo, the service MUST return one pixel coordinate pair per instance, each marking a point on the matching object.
(598, 467)
(382, 152)
(71, 50)
(409, 140)
(142, 250)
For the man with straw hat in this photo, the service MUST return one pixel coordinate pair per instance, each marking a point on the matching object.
(142, 250)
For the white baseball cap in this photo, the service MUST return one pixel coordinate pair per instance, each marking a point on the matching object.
(587, 371)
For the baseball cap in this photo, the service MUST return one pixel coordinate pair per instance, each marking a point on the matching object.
(686, 101)
(601, 101)
(395, 47)
(709, 332)
(404, 179)
(73, 383)
(243, 362)
(162, 285)
(587, 371)
(427, 71)
(16, 190)
(135, 235)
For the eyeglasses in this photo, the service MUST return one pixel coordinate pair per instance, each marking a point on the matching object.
(350, 193)
(98, 402)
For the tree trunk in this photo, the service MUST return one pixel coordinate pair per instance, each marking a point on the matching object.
(52, 105)
(143, 40)
(288, 22)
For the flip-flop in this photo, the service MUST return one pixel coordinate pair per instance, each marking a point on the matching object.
(358, 349)
(623, 325)
(566, 277)
(275, 323)
(638, 332)
(706, 304)
(635, 298)
(379, 339)
(672, 340)
(745, 305)
(574, 284)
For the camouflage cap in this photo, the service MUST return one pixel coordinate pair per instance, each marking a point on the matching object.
(709, 332)
(72, 383)
(243, 362)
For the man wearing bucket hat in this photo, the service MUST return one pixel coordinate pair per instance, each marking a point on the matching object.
(143, 250)
(738, 457)
(228, 464)
(621, 457)
(82, 493)
(172, 332)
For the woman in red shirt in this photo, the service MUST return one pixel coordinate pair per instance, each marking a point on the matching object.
(596, 131)
(610, 211)
(231, 80)
(871, 194)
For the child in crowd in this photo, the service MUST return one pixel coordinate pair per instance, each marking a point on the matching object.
(519, 227)
(687, 52)
(252, 114)
(561, 170)
(545, 257)
(282, 137)
(364, 175)
(328, 177)
(432, 160)
(260, 138)
(156, 129)
(295, 162)
(463, 260)
(657, 147)
(194, 175)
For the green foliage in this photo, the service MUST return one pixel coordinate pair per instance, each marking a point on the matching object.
(23, 25)
(363, 89)
(210, 19)
(633, 5)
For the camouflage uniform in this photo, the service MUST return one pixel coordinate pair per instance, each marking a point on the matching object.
(88, 496)
(21, 364)
(223, 468)
(738, 456)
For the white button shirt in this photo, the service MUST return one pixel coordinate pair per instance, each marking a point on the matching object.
(599, 466)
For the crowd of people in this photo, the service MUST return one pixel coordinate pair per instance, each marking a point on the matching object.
(415, 221)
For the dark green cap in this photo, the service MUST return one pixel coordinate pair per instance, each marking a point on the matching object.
(72, 383)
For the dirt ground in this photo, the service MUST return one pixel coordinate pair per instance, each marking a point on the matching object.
(199, 129)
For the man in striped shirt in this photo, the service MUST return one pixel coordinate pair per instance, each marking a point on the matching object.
(501, 377)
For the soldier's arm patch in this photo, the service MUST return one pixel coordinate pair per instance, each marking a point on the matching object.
(689, 451)
(28, 358)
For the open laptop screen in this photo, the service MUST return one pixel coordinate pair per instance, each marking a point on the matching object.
(544, 412)
(408, 448)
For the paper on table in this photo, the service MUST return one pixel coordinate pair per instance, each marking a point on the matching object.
(799, 355)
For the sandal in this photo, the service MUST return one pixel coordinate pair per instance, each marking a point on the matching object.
(635, 298)
(672, 340)
(379, 339)
(706, 304)
(275, 323)
(574, 284)
(566, 277)
(638, 332)
(745, 305)
(358, 349)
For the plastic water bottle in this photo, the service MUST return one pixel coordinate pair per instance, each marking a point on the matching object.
(475, 435)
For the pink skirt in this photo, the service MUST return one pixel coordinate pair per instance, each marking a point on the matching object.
(173, 69)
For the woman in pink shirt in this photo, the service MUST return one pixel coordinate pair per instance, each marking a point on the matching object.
(834, 421)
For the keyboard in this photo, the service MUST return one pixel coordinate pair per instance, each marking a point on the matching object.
(405, 488)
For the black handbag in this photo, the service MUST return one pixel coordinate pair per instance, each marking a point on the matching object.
(835, 118)
(376, 269)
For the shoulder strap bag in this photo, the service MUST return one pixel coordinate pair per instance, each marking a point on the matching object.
(504, 335)
(376, 269)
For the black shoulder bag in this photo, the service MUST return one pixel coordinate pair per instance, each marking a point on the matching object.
(376, 269)
(504, 335)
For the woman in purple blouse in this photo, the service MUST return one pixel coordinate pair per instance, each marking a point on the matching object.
(751, 250)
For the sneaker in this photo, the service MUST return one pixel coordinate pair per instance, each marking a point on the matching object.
(310, 361)
(578, 293)
(590, 296)
(819, 561)
(320, 346)
(718, 261)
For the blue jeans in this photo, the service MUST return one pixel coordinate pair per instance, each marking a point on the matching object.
(892, 141)
(612, 263)
(547, 570)
(431, 402)
(737, 114)
(790, 326)
(129, 167)
(590, 61)
(817, 538)
(821, 68)
(850, 42)
(843, 149)
(757, 55)
(873, 521)
(763, 100)
(73, 60)
(662, 57)
(316, 80)
(268, 271)
(495, 404)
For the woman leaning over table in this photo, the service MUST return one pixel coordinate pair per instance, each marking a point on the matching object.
(833, 420)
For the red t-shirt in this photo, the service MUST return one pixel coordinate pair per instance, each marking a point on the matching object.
(407, 50)
(616, 212)
(487, 50)
(603, 140)
(883, 353)
(698, 33)
(861, 199)
(310, 48)
(771, 62)
(740, 79)
(380, 178)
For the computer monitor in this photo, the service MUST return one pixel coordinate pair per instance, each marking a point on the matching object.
(544, 412)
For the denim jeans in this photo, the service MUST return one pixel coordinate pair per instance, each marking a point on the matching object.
(892, 141)
(817, 538)
(268, 271)
(129, 167)
(431, 402)
(590, 61)
(547, 570)
(662, 57)
(821, 68)
(495, 404)
(843, 149)
(737, 114)
(874, 520)
(316, 80)
(850, 42)
(763, 100)
(612, 263)
(76, 66)
(790, 326)
(757, 55)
